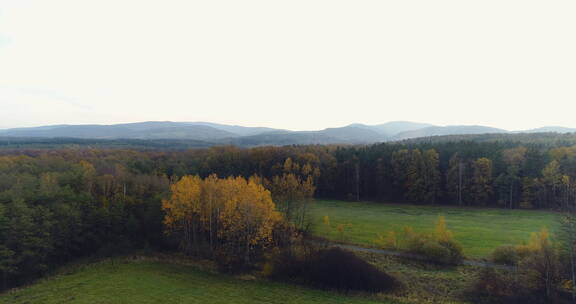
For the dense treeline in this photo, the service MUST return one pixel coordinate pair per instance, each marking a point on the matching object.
(472, 174)
(503, 174)
(63, 204)
(60, 205)
(6, 143)
(56, 207)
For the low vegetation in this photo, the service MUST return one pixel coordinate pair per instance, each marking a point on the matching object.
(505, 255)
(333, 269)
(424, 282)
(479, 231)
(153, 282)
(437, 247)
(540, 274)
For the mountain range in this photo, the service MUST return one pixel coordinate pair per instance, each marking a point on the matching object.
(213, 134)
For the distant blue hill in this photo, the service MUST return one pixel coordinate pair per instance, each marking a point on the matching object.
(217, 134)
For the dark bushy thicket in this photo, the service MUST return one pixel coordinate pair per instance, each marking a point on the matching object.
(503, 287)
(344, 271)
(498, 287)
(540, 276)
(506, 255)
(333, 268)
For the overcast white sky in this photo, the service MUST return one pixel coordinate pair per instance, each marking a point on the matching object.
(289, 64)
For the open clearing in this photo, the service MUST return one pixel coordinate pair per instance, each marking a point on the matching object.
(478, 230)
(153, 282)
(125, 280)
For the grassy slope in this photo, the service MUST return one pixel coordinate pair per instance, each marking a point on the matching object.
(152, 282)
(478, 230)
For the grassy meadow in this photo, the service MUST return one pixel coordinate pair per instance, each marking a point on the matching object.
(155, 282)
(150, 281)
(478, 230)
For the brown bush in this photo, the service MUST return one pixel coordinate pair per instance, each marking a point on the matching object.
(333, 268)
(507, 255)
(493, 286)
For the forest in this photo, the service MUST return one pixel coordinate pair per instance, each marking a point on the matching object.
(59, 205)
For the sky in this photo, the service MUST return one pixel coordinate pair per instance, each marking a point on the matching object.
(300, 65)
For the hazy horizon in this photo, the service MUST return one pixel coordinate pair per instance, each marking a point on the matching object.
(299, 65)
(263, 126)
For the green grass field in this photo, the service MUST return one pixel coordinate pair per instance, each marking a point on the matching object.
(478, 230)
(128, 281)
(153, 282)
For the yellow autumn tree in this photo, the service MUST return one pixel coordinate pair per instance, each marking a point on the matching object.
(230, 217)
(388, 240)
(538, 242)
(293, 194)
(441, 231)
(541, 264)
(248, 216)
(183, 211)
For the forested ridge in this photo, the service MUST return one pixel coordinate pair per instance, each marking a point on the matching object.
(58, 205)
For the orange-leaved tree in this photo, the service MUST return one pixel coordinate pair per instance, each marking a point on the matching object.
(231, 217)
(183, 211)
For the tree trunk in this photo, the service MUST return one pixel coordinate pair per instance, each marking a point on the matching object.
(460, 169)
(511, 193)
(357, 175)
(571, 248)
(4, 280)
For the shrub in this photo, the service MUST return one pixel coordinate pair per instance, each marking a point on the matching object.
(232, 264)
(494, 286)
(286, 266)
(507, 255)
(333, 268)
(388, 241)
(439, 247)
(339, 269)
(267, 269)
(455, 249)
(512, 255)
(498, 286)
(433, 251)
(537, 279)
(538, 242)
(542, 272)
(440, 252)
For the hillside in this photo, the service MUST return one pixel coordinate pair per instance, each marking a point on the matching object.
(449, 130)
(282, 139)
(551, 129)
(520, 138)
(153, 282)
(344, 135)
(352, 134)
(393, 128)
(221, 134)
(145, 130)
(238, 130)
